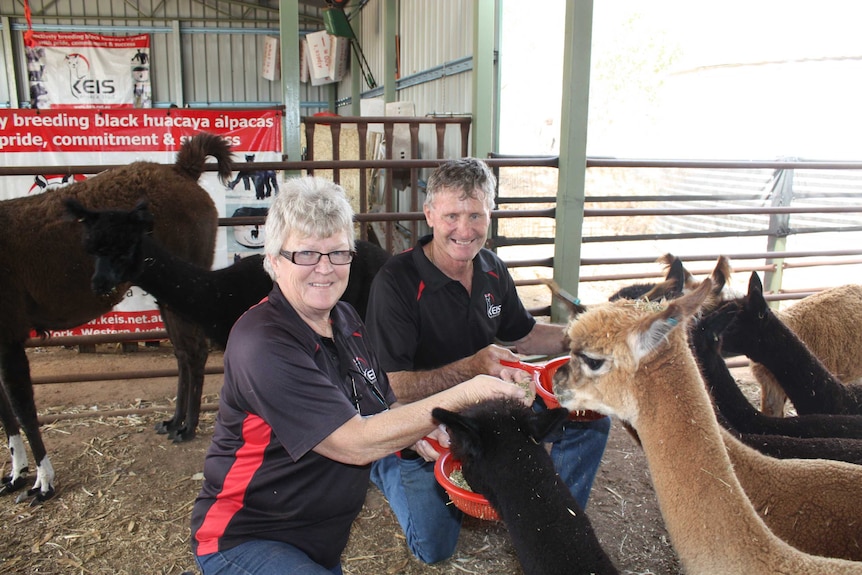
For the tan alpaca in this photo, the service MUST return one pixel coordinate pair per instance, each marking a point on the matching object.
(830, 324)
(812, 504)
(632, 360)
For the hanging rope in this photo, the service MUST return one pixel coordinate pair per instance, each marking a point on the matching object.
(28, 34)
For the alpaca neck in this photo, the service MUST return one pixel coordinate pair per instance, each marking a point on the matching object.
(729, 399)
(548, 528)
(528, 478)
(799, 371)
(701, 499)
(160, 274)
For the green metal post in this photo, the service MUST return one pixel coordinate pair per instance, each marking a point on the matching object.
(573, 149)
(484, 93)
(6, 36)
(779, 228)
(177, 91)
(288, 23)
(390, 32)
(356, 85)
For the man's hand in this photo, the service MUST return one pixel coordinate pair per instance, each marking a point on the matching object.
(427, 449)
(487, 360)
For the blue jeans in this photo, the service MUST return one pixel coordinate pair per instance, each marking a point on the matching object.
(431, 524)
(262, 557)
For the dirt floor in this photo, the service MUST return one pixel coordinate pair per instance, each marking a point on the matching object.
(124, 493)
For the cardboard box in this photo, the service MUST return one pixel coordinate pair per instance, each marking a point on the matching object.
(339, 53)
(327, 57)
(318, 55)
(270, 65)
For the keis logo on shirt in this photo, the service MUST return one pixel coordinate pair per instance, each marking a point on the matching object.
(370, 378)
(366, 370)
(493, 309)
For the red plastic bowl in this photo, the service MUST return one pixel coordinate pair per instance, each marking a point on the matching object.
(473, 504)
(545, 386)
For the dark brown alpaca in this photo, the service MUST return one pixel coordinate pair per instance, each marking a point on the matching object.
(46, 274)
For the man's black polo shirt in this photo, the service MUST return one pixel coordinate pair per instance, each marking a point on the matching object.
(419, 318)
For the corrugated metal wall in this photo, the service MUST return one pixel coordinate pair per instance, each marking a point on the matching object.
(221, 46)
(216, 59)
(425, 47)
(425, 44)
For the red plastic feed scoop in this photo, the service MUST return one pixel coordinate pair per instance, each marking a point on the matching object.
(545, 385)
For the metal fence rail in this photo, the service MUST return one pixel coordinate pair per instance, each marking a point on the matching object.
(772, 257)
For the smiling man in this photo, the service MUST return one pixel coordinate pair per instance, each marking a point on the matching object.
(436, 316)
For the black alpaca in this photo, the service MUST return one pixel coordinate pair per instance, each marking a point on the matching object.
(758, 333)
(676, 280)
(498, 443)
(45, 281)
(705, 339)
(244, 175)
(265, 184)
(214, 299)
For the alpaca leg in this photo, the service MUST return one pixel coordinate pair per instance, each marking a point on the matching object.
(18, 477)
(19, 403)
(191, 350)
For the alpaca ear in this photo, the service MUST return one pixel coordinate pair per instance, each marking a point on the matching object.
(755, 295)
(677, 273)
(542, 424)
(75, 211)
(571, 303)
(754, 285)
(141, 214)
(461, 428)
(654, 330)
(644, 341)
(721, 273)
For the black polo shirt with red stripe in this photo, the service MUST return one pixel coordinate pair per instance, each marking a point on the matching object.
(419, 318)
(285, 390)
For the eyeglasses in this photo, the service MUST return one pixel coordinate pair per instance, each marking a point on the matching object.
(309, 258)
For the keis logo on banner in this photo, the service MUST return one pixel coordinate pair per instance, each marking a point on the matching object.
(81, 70)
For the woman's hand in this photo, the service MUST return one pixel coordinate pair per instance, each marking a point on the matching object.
(521, 378)
(484, 387)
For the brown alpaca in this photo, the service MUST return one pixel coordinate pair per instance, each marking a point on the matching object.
(829, 323)
(632, 360)
(46, 283)
(811, 504)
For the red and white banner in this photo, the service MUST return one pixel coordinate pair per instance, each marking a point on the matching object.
(66, 137)
(82, 70)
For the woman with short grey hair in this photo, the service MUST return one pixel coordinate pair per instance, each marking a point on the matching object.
(305, 407)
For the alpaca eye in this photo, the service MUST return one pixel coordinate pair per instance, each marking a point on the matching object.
(592, 363)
